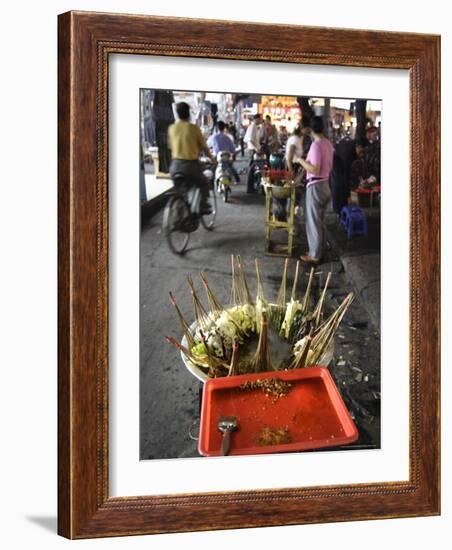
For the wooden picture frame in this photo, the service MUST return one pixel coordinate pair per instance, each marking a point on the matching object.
(86, 40)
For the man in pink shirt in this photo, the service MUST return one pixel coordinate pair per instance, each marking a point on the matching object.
(318, 166)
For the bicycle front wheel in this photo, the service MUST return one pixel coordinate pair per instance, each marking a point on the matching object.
(208, 220)
(176, 212)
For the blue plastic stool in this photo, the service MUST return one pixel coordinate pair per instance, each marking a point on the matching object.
(354, 220)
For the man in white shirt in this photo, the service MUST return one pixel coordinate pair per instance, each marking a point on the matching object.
(252, 136)
(252, 140)
(293, 148)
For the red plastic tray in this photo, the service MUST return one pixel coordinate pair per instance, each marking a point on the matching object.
(312, 410)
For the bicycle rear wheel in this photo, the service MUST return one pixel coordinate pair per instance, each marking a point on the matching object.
(176, 212)
(208, 220)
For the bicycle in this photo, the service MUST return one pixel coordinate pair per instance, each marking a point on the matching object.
(182, 213)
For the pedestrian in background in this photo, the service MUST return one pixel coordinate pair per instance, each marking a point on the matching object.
(269, 137)
(374, 152)
(306, 138)
(360, 170)
(229, 134)
(222, 142)
(253, 145)
(283, 136)
(252, 136)
(294, 150)
(233, 131)
(242, 140)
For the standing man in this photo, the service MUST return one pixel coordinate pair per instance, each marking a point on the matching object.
(186, 143)
(283, 135)
(233, 131)
(252, 136)
(318, 166)
(252, 143)
(360, 170)
(374, 152)
(269, 137)
(294, 149)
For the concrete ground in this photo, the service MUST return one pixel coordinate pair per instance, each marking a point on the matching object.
(170, 395)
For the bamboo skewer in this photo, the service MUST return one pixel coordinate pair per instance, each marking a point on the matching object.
(260, 287)
(186, 330)
(278, 311)
(199, 311)
(187, 353)
(245, 292)
(281, 301)
(212, 361)
(233, 367)
(324, 338)
(180, 347)
(318, 308)
(291, 309)
(214, 305)
(261, 361)
(295, 281)
(299, 362)
(234, 283)
(261, 302)
(212, 371)
(339, 311)
(305, 303)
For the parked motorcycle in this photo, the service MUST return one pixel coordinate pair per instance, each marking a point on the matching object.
(277, 161)
(257, 169)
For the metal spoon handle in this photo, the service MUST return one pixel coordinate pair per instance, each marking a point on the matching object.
(226, 442)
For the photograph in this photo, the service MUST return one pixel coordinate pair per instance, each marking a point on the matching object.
(222, 299)
(259, 273)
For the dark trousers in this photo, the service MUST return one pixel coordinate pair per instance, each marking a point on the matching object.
(250, 177)
(191, 170)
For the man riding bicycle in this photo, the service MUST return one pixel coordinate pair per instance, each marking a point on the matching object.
(186, 143)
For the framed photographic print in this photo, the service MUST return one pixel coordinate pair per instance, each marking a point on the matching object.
(248, 275)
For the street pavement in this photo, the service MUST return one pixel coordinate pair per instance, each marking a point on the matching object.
(170, 394)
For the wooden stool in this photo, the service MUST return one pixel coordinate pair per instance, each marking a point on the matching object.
(272, 192)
